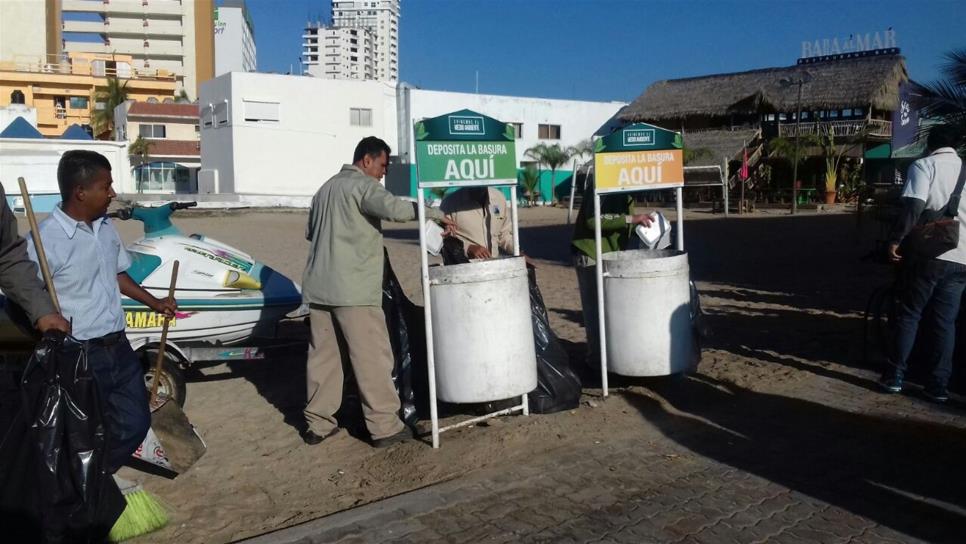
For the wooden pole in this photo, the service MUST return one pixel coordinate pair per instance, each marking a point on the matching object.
(164, 340)
(38, 244)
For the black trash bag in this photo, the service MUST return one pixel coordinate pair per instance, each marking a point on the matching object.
(395, 305)
(54, 484)
(558, 386)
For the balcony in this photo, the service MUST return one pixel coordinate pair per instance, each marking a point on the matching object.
(125, 7)
(872, 128)
(135, 48)
(126, 26)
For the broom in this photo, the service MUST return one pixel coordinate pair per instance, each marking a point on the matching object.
(144, 514)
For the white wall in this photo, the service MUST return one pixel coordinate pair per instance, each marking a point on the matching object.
(577, 119)
(11, 111)
(36, 161)
(308, 144)
(234, 46)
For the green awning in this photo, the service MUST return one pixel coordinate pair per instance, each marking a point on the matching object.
(881, 151)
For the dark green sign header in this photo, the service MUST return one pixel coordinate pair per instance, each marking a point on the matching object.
(639, 137)
(463, 125)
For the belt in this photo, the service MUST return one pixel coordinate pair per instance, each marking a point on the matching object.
(109, 339)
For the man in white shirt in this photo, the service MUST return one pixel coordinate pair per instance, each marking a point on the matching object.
(935, 283)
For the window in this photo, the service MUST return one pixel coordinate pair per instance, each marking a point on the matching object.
(78, 102)
(152, 131)
(360, 117)
(804, 115)
(518, 130)
(770, 117)
(548, 132)
(782, 117)
(847, 112)
(833, 114)
(858, 112)
(162, 177)
(257, 111)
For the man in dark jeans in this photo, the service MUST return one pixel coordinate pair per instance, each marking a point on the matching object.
(934, 283)
(88, 265)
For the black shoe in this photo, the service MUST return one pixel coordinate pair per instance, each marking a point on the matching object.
(936, 393)
(891, 381)
(313, 439)
(401, 436)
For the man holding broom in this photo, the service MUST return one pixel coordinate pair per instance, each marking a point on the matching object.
(88, 264)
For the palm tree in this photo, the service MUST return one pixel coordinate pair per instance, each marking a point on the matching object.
(552, 156)
(945, 100)
(530, 180)
(139, 150)
(111, 96)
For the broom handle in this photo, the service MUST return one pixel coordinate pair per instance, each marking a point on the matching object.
(164, 339)
(38, 243)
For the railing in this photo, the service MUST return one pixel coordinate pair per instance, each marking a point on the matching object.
(870, 127)
(84, 68)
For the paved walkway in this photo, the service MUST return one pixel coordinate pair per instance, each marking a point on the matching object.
(727, 464)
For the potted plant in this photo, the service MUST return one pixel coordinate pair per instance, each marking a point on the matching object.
(530, 182)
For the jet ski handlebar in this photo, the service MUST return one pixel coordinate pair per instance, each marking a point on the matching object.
(156, 219)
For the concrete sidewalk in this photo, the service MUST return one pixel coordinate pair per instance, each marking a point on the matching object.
(726, 465)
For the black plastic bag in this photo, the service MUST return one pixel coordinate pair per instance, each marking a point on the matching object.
(558, 386)
(395, 304)
(54, 480)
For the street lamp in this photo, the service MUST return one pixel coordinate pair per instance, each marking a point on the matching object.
(802, 78)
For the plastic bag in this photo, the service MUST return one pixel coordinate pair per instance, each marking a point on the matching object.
(54, 479)
(558, 386)
(395, 305)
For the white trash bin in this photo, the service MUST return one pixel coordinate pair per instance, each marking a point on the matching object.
(647, 304)
(482, 331)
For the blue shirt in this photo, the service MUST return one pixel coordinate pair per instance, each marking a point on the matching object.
(84, 262)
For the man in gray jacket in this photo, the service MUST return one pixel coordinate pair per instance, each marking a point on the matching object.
(343, 286)
(18, 276)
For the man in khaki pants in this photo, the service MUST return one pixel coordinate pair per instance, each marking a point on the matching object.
(343, 286)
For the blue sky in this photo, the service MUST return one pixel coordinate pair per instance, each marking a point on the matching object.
(613, 49)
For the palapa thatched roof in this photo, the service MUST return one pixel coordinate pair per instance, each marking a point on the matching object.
(723, 144)
(835, 84)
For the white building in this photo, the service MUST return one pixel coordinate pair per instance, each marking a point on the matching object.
(234, 38)
(171, 35)
(381, 19)
(361, 43)
(273, 139)
(278, 136)
(174, 145)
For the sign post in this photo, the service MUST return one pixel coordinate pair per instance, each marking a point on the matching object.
(461, 149)
(638, 157)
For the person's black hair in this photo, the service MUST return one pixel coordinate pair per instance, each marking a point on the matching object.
(77, 168)
(942, 136)
(371, 146)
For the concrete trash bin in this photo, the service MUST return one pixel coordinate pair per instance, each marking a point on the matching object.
(647, 306)
(482, 331)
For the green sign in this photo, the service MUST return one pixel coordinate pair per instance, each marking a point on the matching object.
(465, 148)
(639, 137)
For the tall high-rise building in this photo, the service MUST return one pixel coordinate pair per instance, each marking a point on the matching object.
(234, 38)
(361, 43)
(379, 17)
(173, 36)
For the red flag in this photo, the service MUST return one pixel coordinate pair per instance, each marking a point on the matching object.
(743, 174)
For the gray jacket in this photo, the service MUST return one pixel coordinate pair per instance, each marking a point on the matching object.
(344, 229)
(18, 274)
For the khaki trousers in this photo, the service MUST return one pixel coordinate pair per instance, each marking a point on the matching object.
(357, 334)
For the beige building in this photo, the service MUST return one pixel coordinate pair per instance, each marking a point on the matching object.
(66, 93)
(173, 155)
(174, 36)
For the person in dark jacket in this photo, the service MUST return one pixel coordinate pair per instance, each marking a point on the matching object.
(18, 276)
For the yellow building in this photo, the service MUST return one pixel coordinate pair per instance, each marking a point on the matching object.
(65, 92)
